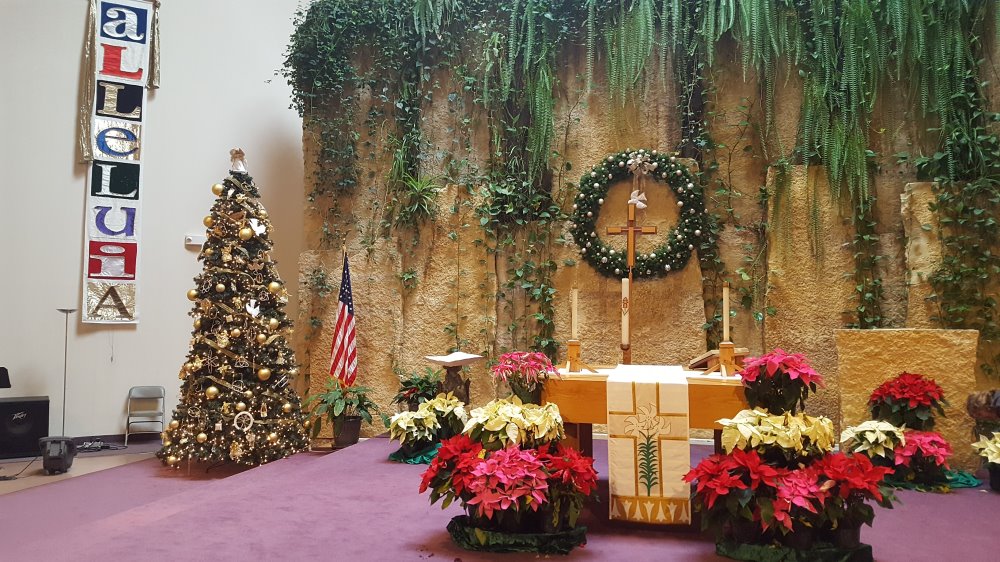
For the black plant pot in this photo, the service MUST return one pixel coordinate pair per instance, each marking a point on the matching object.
(846, 537)
(800, 538)
(350, 432)
(743, 531)
(994, 469)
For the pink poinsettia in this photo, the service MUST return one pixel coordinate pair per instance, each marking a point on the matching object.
(800, 495)
(524, 368)
(925, 444)
(792, 365)
(508, 478)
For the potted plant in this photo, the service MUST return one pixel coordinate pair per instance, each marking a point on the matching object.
(525, 372)
(417, 387)
(853, 481)
(782, 440)
(922, 458)
(522, 491)
(345, 407)
(797, 512)
(420, 431)
(908, 400)
(875, 439)
(728, 490)
(989, 449)
(505, 422)
(779, 381)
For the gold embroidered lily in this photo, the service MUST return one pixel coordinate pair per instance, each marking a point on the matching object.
(874, 438)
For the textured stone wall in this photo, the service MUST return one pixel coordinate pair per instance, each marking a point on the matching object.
(870, 357)
(809, 262)
(923, 253)
(458, 300)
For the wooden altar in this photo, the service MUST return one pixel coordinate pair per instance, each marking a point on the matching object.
(583, 397)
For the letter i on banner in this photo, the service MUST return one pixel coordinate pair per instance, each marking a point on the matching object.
(122, 36)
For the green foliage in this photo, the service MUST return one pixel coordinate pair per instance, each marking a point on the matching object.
(648, 466)
(418, 386)
(506, 56)
(337, 402)
(410, 279)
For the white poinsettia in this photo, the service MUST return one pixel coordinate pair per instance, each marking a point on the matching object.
(440, 417)
(506, 421)
(874, 438)
(411, 427)
(989, 449)
(758, 428)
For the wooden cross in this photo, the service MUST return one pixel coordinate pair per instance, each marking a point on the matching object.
(630, 230)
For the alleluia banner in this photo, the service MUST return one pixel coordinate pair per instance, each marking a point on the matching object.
(118, 51)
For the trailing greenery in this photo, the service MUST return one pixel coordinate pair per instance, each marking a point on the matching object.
(505, 57)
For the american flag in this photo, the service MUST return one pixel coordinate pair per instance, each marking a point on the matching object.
(344, 353)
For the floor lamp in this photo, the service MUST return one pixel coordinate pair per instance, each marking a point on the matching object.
(66, 312)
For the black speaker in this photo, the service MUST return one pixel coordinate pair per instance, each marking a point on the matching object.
(23, 421)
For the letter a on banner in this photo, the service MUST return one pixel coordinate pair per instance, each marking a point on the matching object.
(122, 35)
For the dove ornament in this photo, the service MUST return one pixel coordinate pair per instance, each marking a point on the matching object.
(253, 309)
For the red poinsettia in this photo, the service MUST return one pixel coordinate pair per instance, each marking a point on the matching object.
(853, 475)
(755, 472)
(714, 478)
(908, 399)
(779, 381)
(568, 467)
(453, 466)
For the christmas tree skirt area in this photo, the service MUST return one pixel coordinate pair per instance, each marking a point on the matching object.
(355, 504)
(821, 552)
(474, 538)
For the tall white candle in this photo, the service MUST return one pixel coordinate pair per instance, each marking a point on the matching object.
(725, 312)
(575, 313)
(626, 305)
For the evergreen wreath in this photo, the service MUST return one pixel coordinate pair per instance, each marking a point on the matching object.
(669, 257)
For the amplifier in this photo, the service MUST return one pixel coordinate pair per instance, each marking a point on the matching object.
(23, 421)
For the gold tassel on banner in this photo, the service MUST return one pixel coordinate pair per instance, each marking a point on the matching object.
(88, 73)
(154, 48)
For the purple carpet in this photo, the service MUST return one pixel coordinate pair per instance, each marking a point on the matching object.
(355, 505)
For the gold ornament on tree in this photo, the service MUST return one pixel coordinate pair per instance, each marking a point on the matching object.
(201, 438)
(212, 392)
(263, 373)
(273, 287)
(246, 233)
(208, 221)
(193, 294)
(218, 188)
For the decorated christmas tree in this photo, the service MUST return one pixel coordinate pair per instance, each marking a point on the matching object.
(237, 403)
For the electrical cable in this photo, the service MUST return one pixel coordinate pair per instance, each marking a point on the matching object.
(14, 477)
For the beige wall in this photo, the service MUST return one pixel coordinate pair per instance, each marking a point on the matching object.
(218, 91)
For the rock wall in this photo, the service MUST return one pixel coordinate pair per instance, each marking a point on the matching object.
(870, 357)
(809, 283)
(438, 287)
(923, 253)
